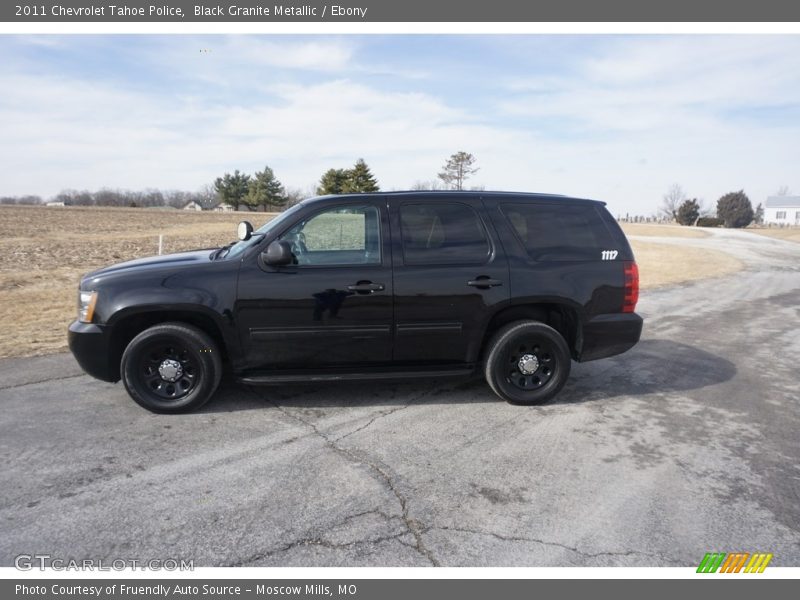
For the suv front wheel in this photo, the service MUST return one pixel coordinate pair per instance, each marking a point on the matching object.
(171, 368)
(527, 362)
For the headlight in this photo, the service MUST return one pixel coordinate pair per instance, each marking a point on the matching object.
(86, 302)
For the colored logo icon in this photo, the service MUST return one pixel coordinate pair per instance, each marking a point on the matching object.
(735, 562)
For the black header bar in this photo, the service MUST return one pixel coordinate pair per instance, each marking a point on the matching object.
(101, 11)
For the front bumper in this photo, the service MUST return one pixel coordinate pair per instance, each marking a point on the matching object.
(609, 335)
(90, 344)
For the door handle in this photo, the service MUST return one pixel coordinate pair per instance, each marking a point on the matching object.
(366, 287)
(484, 282)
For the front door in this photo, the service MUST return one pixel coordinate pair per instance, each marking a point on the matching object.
(334, 306)
(449, 271)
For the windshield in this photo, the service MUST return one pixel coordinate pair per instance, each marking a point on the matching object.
(275, 223)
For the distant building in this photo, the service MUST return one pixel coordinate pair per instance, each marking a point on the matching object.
(223, 207)
(193, 206)
(782, 210)
(56, 203)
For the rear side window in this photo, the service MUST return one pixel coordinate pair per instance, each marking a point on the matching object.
(559, 232)
(442, 233)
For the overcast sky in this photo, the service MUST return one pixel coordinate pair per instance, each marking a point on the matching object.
(617, 118)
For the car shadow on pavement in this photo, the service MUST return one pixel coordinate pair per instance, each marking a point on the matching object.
(653, 366)
(390, 394)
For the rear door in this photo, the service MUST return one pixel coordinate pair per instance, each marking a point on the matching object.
(449, 270)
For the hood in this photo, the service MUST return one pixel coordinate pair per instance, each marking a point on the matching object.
(177, 261)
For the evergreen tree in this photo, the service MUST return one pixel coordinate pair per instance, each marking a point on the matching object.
(735, 209)
(360, 179)
(758, 217)
(688, 212)
(265, 190)
(233, 188)
(332, 182)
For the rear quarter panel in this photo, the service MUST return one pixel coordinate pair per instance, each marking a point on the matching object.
(590, 286)
(594, 288)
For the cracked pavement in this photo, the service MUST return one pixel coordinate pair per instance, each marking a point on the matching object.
(686, 444)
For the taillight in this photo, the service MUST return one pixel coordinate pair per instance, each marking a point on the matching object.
(631, 286)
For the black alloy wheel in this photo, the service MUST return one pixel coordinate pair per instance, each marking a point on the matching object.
(527, 362)
(172, 367)
(169, 369)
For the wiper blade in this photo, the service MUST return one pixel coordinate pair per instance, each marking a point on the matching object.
(219, 252)
(223, 252)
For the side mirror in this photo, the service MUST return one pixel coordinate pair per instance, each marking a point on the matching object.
(244, 231)
(278, 254)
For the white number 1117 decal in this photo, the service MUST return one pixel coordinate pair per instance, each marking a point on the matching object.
(609, 254)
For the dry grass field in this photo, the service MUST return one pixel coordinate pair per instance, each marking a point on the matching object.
(662, 264)
(44, 251)
(789, 234)
(659, 230)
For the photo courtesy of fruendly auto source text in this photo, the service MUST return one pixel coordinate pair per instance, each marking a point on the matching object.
(368, 300)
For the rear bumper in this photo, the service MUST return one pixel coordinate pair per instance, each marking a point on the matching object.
(608, 335)
(91, 347)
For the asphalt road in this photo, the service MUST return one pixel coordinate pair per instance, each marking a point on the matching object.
(687, 444)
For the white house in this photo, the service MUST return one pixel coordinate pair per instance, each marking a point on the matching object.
(193, 206)
(782, 210)
(223, 207)
(55, 203)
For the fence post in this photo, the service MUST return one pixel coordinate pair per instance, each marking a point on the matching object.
(160, 243)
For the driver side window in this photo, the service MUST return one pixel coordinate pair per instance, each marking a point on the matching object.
(342, 235)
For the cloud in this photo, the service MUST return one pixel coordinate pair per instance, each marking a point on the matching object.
(313, 55)
(619, 123)
(643, 84)
(92, 135)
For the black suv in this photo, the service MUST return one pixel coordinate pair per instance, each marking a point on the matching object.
(370, 286)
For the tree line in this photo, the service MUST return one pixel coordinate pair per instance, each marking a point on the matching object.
(262, 190)
(109, 197)
(265, 191)
(733, 209)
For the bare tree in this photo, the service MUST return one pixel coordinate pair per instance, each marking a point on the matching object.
(783, 191)
(425, 186)
(30, 200)
(75, 198)
(207, 196)
(457, 169)
(297, 195)
(107, 197)
(671, 201)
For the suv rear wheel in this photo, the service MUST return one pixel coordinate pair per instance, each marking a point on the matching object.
(171, 368)
(527, 362)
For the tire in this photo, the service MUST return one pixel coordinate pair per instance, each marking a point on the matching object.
(546, 364)
(171, 368)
